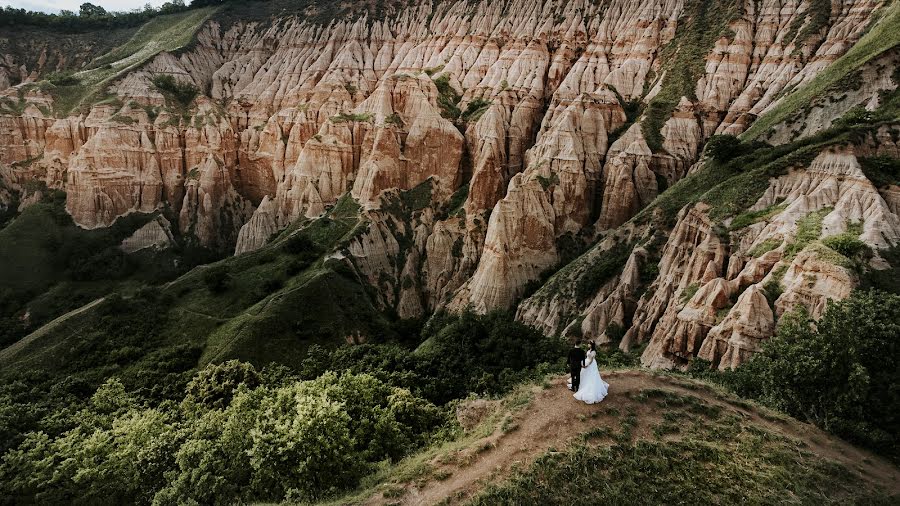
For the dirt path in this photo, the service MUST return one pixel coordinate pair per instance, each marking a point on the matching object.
(553, 418)
(10, 351)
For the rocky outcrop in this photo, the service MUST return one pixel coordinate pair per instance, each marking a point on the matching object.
(719, 292)
(739, 335)
(811, 281)
(674, 319)
(485, 142)
(157, 234)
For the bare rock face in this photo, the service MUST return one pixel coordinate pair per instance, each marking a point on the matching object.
(749, 322)
(691, 261)
(811, 281)
(257, 231)
(834, 180)
(630, 183)
(520, 244)
(157, 233)
(518, 117)
(116, 172)
(212, 210)
(410, 141)
(613, 304)
(553, 196)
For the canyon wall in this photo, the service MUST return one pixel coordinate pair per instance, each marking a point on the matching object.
(530, 126)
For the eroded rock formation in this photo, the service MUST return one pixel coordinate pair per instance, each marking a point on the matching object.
(484, 142)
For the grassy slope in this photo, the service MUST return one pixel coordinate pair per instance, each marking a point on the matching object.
(656, 439)
(882, 36)
(42, 248)
(272, 309)
(162, 33)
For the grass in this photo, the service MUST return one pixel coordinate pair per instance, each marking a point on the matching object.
(750, 217)
(765, 247)
(809, 228)
(683, 61)
(52, 266)
(255, 317)
(688, 293)
(162, 33)
(883, 35)
(695, 457)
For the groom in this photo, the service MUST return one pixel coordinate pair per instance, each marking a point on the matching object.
(576, 362)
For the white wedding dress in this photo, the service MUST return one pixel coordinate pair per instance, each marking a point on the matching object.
(592, 388)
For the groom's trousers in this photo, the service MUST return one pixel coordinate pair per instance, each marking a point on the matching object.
(576, 377)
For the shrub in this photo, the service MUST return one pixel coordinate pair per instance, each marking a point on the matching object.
(297, 440)
(214, 385)
(217, 279)
(840, 373)
(301, 442)
(723, 147)
(846, 244)
(882, 170)
(63, 79)
(300, 244)
(182, 93)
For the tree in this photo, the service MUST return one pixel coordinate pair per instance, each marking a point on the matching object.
(214, 386)
(89, 10)
(723, 147)
(217, 278)
(839, 372)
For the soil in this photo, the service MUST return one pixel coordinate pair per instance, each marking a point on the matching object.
(553, 418)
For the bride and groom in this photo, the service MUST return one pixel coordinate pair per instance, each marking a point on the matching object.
(586, 382)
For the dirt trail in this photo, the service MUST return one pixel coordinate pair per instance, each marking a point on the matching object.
(553, 418)
(14, 348)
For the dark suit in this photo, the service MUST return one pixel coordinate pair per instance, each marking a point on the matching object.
(576, 360)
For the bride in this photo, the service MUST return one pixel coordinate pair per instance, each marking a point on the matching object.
(592, 389)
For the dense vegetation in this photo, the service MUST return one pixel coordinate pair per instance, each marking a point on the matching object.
(91, 17)
(230, 431)
(51, 266)
(839, 373)
(224, 441)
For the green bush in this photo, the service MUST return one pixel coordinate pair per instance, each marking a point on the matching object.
(63, 79)
(217, 278)
(182, 93)
(882, 170)
(298, 440)
(846, 244)
(723, 147)
(214, 386)
(840, 373)
(462, 353)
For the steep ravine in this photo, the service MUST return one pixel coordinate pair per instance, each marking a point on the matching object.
(488, 143)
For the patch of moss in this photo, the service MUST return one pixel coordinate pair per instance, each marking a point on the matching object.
(689, 292)
(547, 182)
